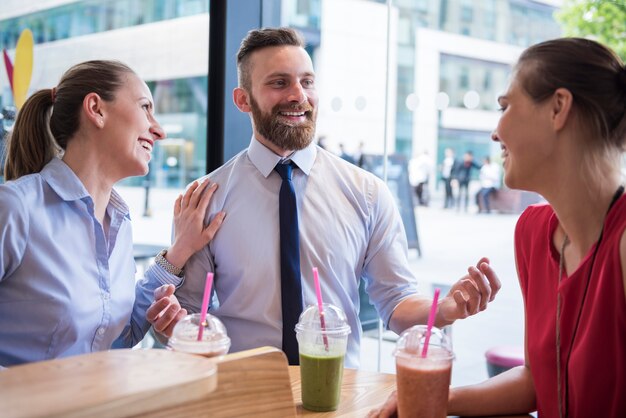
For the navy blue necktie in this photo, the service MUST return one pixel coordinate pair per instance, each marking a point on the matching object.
(290, 284)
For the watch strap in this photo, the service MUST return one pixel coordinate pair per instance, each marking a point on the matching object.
(166, 265)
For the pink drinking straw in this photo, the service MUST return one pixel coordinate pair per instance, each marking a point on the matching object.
(431, 321)
(205, 303)
(318, 292)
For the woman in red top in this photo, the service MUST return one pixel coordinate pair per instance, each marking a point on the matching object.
(562, 133)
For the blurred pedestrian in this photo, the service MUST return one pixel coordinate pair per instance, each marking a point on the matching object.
(447, 166)
(489, 183)
(344, 154)
(462, 172)
(419, 174)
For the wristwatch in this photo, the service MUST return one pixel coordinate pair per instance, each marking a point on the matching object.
(167, 266)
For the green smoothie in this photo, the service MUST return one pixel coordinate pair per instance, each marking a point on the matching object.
(321, 382)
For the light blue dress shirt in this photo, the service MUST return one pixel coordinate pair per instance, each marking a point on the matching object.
(65, 287)
(350, 228)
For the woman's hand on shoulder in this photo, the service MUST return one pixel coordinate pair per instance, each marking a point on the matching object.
(190, 232)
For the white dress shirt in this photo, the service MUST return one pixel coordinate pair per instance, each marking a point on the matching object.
(350, 228)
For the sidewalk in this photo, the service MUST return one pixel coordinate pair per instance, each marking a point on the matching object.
(450, 242)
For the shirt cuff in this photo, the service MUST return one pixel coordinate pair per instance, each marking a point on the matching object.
(162, 276)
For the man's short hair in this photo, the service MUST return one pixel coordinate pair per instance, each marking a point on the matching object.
(262, 38)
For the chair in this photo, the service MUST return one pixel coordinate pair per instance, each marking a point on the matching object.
(503, 358)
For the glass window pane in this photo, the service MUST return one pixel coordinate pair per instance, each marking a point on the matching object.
(166, 43)
(448, 60)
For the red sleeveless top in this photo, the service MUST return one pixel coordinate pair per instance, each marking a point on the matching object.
(596, 369)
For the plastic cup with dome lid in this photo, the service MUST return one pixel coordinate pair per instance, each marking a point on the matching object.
(214, 340)
(322, 342)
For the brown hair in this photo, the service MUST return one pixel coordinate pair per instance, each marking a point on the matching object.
(594, 75)
(262, 38)
(51, 117)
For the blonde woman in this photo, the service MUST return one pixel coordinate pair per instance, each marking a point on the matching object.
(67, 271)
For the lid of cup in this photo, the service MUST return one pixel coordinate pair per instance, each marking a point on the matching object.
(335, 321)
(185, 335)
(411, 342)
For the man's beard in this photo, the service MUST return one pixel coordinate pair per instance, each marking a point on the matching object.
(280, 131)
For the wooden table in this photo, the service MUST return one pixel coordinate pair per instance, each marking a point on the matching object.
(361, 391)
(117, 383)
(163, 384)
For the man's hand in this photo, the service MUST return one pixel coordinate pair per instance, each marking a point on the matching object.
(388, 410)
(165, 312)
(470, 294)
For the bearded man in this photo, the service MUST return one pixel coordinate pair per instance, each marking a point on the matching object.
(292, 206)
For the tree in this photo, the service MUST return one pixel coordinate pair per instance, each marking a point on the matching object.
(600, 20)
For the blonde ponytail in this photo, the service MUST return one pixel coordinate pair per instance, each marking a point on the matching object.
(30, 146)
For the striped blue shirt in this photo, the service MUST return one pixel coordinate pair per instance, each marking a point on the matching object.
(65, 287)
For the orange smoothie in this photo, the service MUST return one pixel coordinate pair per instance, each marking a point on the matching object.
(423, 385)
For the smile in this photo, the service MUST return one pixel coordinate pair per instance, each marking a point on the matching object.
(146, 144)
(505, 151)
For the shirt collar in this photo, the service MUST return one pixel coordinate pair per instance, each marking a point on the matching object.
(68, 186)
(63, 180)
(265, 160)
(116, 202)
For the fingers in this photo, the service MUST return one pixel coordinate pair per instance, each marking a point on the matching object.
(472, 293)
(165, 311)
(177, 205)
(482, 285)
(167, 331)
(482, 260)
(161, 302)
(190, 231)
(199, 193)
(209, 231)
(155, 309)
(197, 196)
(479, 287)
(388, 410)
(163, 318)
(474, 297)
(467, 297)
(188, 193)
(168, 319)
(460, 301)
(206, 197)
(492, 278)
(164, 291)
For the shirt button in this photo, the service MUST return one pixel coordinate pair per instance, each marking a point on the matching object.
(100, 331)
(107, 296)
